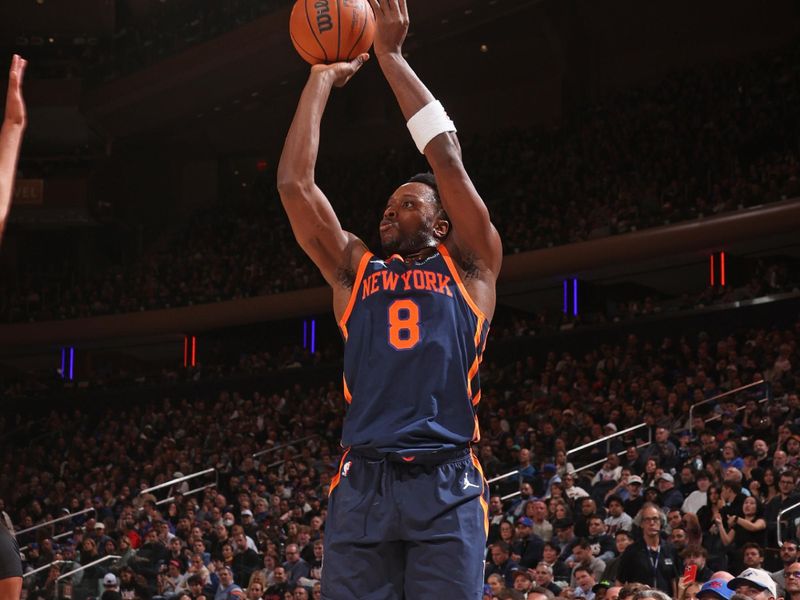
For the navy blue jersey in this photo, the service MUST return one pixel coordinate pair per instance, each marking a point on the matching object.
(414, 340)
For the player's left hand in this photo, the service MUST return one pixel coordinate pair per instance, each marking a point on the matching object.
(15, 105)
(341, 72)
(391, 20)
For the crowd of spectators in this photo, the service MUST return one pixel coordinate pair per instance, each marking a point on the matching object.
(765, 279)
(244, 534)
(231, 360)
(697, 144)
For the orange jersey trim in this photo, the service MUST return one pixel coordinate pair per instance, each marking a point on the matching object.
(476, 399)
(476, 433)
(338, 476)
(484, 504)
(457, 278)
(362, 266)
(348, 397)
(478, 331)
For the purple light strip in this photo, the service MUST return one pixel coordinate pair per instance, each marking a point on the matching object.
(575, 297)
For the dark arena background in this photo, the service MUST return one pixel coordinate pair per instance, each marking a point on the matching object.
(170, 368)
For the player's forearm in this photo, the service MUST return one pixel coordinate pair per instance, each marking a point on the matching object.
(300, 150)
(408, 88)
(412, 95)
(10, 141)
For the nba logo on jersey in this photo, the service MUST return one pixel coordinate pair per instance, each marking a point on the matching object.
(346, 468)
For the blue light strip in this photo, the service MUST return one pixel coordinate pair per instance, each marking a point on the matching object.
(313, 335)
(575, 297)
(71, 363)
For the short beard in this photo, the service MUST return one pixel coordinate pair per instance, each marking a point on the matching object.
(406, 246)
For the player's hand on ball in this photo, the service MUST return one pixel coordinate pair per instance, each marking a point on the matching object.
(391, 25)
(341, 72)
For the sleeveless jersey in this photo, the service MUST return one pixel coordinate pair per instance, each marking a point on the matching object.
(414, 340)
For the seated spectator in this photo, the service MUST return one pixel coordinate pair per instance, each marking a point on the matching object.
(501, 563)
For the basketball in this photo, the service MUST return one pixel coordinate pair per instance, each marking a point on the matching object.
(328, 31)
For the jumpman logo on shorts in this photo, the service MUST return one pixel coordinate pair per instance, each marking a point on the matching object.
(467, 484)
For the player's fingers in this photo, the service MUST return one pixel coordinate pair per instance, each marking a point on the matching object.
(376, 7)
(394, 7)
(23, 64)
(359, 61)
(404, 9)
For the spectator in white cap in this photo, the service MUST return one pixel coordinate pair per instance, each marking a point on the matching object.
(110, 588)
(756, 584)
(248, 523)
(635, 499)
(671, 497)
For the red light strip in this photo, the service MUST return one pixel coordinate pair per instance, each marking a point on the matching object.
(722, 269)
(712, 270)
(194, 351)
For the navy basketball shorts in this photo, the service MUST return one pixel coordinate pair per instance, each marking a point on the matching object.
(398, 529)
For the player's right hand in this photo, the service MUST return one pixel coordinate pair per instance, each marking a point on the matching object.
(340, 72)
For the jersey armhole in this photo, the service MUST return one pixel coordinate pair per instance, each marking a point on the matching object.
(461, 287)
(362, 266)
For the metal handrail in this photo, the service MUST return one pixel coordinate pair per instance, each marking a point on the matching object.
(718, 396)
(504, 476)
(91, 564)
(177, 480)
(718, 416)
(282, 446)
(189, 493)
(42, 568)
(608, 438)
(602, 460)
(56, 520)
(55, 537)
(780, 514)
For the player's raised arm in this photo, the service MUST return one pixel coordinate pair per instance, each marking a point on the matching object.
(434, 134)
(11, 136)
(313, 220)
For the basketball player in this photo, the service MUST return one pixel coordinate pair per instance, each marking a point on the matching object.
(408, 508)
(11, 136)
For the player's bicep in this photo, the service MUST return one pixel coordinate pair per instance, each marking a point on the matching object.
(473, 230)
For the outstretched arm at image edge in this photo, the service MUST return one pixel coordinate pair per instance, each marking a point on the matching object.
(11, 137)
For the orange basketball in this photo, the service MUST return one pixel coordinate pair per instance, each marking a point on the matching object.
(328, 31)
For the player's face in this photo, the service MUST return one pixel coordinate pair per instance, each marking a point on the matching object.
(409, 220)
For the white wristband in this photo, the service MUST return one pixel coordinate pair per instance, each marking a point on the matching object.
(427, 123)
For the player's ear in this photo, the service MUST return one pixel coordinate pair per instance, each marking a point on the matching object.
(441, 228)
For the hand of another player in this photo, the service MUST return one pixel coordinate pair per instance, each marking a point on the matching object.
(391, 20)
(340, 72)
(15, 105)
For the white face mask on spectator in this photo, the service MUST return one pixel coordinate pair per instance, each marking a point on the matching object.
(228, 522)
